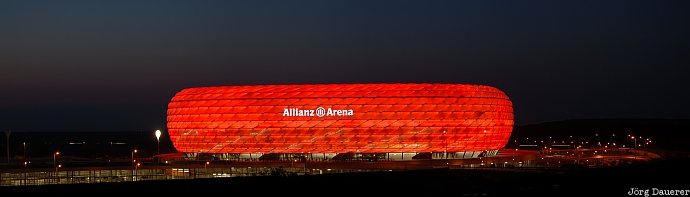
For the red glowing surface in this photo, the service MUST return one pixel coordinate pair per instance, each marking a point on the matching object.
(385, 118)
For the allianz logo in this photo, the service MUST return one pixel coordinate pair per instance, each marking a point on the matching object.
(319, 112)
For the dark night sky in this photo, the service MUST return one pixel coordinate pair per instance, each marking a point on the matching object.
(94, 65)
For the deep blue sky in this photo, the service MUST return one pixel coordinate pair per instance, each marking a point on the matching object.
(97, 65)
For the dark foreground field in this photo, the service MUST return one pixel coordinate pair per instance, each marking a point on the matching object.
(662, 174)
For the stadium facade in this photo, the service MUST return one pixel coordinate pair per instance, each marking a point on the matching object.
(391, 121)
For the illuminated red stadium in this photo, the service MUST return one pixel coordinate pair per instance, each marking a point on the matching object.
(340, 118)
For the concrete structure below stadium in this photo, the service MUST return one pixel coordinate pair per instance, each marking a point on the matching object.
(342, 156)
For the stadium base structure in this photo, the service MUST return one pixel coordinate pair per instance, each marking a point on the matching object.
(340, 156)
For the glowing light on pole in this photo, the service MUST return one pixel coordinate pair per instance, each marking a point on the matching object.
(634, 139)
(205, 167)
(135, 151)
(134, 166)
(158, 139)
(25, 163)
(55, 159)
(56, 165)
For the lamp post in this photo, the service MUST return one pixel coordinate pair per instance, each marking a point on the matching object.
(133, 163)
(635, 139)
(158, 139)
(55, 155)
(134, 151)
(24, 145)
(25, 163)
(56, 172)
(205, 168)
(136, 169)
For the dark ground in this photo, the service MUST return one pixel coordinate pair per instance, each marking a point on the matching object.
(662, 174)
(669, 173)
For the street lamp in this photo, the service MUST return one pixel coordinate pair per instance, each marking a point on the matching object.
(134, 151)
(635, 139)
(25, 163)
(133, 163)
(56, 171)
(205, 169)
(55, 158)
(158, 139)
(136, 169)
(55, 155)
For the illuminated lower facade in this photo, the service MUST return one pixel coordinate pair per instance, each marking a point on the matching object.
(402, 120)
